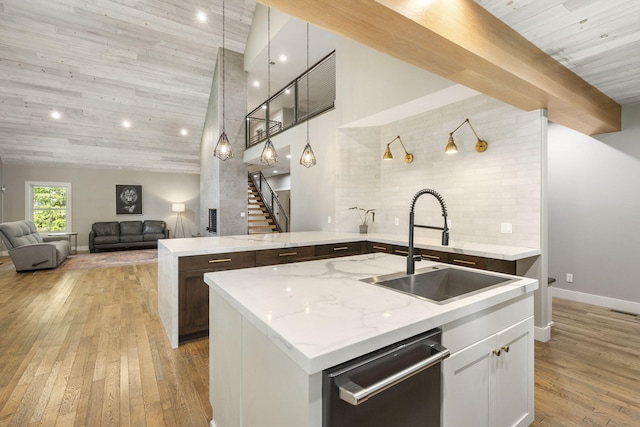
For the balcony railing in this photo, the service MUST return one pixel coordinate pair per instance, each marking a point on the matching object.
(288, 107)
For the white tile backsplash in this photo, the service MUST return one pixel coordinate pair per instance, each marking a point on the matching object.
(481, 190)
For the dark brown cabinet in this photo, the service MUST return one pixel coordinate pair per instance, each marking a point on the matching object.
(193, 292)
(284, 256)
(340, 249)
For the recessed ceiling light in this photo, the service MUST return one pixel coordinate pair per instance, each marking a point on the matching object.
(275, 171)
(283, 58)
(55, 114)
(201, 16)
(256, 83)
(126, 124)
(184, 132)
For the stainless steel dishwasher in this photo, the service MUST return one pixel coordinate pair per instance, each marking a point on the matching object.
(397, 386)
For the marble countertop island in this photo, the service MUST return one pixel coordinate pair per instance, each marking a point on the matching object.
(320, 314)
(171, 250)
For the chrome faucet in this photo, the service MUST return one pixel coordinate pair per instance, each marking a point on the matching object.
(411, 262)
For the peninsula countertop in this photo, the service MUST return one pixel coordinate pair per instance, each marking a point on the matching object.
(223, 244)
(320, 313)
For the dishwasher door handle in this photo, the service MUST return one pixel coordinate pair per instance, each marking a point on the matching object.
(355, 394)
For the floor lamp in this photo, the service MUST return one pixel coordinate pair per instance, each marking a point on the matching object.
(178, 207)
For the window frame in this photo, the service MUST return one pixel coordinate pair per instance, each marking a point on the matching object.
(30, 185)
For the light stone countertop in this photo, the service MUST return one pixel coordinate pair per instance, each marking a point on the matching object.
(213, 245)
(320, 313)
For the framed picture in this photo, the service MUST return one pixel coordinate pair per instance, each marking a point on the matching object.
(128, 199)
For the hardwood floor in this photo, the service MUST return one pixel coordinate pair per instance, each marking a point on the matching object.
(86, 348)
(588, 374)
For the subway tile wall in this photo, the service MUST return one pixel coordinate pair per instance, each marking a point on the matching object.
(481, 190)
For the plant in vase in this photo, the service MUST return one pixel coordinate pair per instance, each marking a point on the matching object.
(364, 215)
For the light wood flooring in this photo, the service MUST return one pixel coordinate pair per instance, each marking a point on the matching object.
(86, 348)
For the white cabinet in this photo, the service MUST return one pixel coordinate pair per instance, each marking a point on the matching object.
(490, 382)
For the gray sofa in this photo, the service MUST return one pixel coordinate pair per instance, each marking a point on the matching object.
(28, 250)
(114, 235)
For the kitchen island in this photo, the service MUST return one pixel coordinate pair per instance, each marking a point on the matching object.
(274, 329)
(182, 263)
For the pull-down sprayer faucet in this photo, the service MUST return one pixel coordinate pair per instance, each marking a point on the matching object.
(411, 262)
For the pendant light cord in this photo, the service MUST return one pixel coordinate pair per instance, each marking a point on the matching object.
(268, 71)
(308, 83)
(222, 67)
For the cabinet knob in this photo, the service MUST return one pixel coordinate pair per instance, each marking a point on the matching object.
(497, 352)
(505, 348)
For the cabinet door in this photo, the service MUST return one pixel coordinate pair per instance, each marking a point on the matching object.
(193, 305)
(514, 375)
(469, 386)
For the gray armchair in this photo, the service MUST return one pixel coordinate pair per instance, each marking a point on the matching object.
(27, 249)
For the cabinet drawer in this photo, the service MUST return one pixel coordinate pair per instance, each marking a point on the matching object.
(400, 250)
(283, 256)
(339, 249)
(431, 255)
(501, 266)
(379, 247)
(218, 262)
(468, 261)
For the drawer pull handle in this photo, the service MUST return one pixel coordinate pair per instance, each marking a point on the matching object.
(461, 261)
(382, 248)
(341, 248)
(214, 261)
(505, 348)
(399, 251)
(431, 257)
(288, 253)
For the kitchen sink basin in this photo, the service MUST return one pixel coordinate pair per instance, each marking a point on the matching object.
(441, 284)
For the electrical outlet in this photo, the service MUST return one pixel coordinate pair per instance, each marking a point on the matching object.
(506, 228)
(397, 221)
(328, 220)
(241, 214)
(569, 278)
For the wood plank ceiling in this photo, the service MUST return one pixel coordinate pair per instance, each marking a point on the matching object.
(99, 63)
(151, 62)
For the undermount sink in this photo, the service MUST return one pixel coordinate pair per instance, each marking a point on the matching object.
(440, 284)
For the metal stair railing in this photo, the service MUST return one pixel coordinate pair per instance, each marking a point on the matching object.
(271, 201)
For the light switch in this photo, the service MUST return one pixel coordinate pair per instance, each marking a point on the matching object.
(328, 220)
(397, 221)
(241, 214)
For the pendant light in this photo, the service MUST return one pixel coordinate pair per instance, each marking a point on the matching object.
(269, 154)
(308, 159)
(223, 149)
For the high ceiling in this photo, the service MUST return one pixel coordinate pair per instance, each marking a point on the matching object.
(151, 63)
(99, 63)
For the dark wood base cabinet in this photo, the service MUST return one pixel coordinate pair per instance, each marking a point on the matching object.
(193, 292)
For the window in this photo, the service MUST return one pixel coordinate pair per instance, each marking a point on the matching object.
(49, 205)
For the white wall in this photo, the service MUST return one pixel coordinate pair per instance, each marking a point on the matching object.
(93, 195)
(481, 190)
(594, 210)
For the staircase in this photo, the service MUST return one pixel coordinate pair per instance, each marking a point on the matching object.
(260, 220)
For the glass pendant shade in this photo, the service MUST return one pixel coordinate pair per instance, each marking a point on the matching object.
(307, 159)
(223, 147)
(269, 155)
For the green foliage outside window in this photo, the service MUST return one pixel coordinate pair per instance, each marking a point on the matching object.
(50, 208)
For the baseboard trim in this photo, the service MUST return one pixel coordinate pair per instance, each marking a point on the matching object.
(542, 334)
(613, 303)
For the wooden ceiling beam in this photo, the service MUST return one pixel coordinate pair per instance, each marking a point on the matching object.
(461, 41)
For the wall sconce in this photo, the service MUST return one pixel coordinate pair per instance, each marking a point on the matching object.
(408, 157)
(451, 147)
(178, 207)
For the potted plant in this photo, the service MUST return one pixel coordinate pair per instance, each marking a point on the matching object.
(364, 215)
